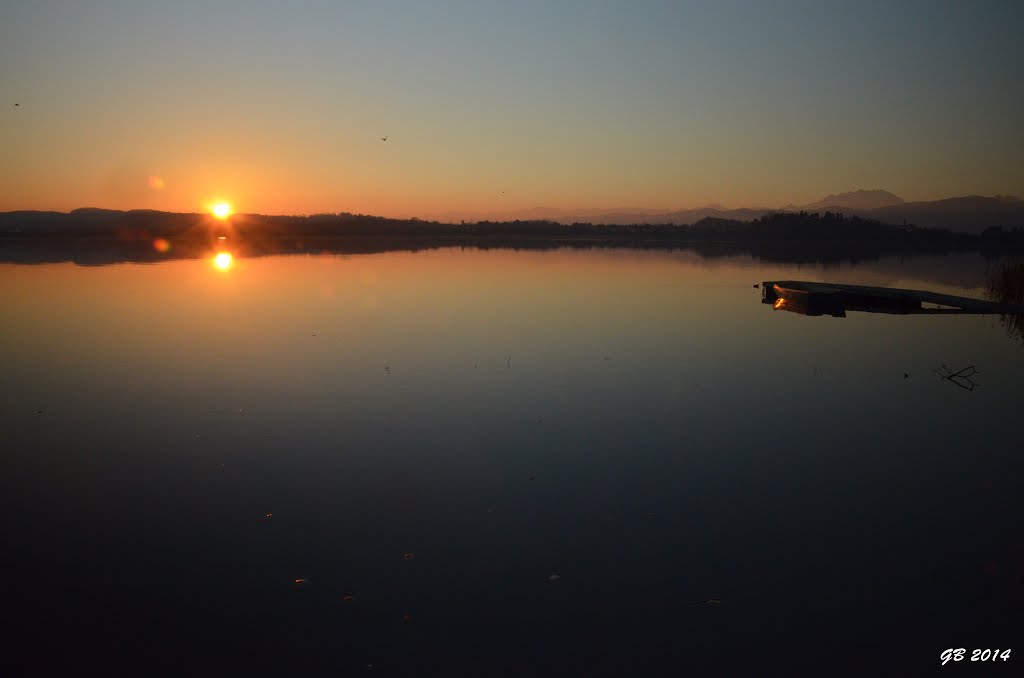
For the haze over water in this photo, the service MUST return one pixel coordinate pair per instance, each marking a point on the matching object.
(718, 486)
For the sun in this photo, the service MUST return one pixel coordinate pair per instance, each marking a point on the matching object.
(221, 210)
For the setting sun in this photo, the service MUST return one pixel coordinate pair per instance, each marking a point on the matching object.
(223, 260)
(221, 210)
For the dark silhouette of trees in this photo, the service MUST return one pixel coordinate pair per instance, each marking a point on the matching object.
(781, 236)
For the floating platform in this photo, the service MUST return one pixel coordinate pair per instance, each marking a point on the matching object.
(821, 298)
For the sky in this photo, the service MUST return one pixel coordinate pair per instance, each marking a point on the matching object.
(496, 106)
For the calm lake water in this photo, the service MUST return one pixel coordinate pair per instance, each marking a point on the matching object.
(564, 462)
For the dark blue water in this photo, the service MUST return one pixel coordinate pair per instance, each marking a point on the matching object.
(513, 463)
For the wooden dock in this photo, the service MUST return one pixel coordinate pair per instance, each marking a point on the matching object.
(822, 298)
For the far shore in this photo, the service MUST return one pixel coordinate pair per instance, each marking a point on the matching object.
(92, 236)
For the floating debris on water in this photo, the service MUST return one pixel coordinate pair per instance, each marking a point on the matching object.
(408, 556)
(348, 599)
(711, 601)
(270, 515)
(301, 581)
(962, 378)
(555, 578)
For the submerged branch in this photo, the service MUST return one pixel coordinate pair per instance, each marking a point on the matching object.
(961, 378)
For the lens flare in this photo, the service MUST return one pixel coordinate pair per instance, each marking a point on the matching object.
(162, 245)
(223, 260)
(221, 210)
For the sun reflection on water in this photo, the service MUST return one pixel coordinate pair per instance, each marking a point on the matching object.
(223, 261)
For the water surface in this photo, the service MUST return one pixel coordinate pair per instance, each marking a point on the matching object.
(719, 487)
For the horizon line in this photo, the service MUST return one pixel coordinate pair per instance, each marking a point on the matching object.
(574, 211)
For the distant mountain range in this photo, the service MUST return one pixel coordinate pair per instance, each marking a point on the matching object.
(865, 200)
(968, 214)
